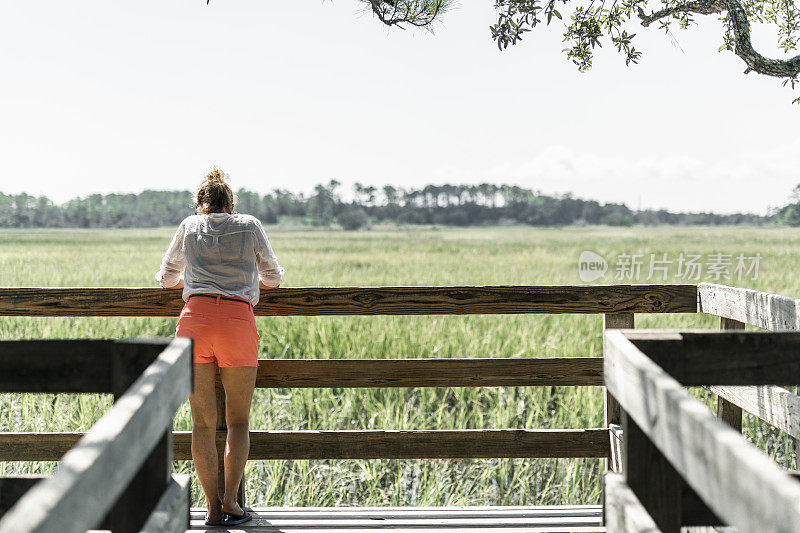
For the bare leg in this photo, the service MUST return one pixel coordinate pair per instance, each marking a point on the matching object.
(239, 382)
(204, 428)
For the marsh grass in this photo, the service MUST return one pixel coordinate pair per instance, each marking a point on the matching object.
(390, 256)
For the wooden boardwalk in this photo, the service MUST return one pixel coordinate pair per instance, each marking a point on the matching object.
(552, 519)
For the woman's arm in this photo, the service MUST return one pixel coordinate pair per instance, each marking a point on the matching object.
(270, 273)
(173, 263)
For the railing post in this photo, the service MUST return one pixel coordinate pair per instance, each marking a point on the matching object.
(222, 426)
(612, 412)
(134, 506)
(128, 360)
(727, 411)
(652, 478)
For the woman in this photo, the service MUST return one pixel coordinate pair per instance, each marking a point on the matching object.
(227, 259)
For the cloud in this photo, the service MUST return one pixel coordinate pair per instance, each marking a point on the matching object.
(741, 181)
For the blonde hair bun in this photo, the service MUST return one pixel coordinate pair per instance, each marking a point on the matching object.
(215, 194)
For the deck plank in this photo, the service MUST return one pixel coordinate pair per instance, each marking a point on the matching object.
(555, 519)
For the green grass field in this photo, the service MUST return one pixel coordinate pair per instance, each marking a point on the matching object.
(485, 256)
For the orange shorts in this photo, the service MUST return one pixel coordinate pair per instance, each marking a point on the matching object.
(224, 331)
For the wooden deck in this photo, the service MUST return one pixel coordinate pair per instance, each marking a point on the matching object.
(553, 519)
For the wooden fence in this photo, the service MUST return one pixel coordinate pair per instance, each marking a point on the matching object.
(617, 304)
(117, 476)
(682, 467)
(737, 307)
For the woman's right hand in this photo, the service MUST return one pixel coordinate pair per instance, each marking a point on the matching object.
(178, 285)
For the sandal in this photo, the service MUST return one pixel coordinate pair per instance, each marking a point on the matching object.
(213, 522)
(232, 520)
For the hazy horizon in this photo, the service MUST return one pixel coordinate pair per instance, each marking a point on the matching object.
(346, 193)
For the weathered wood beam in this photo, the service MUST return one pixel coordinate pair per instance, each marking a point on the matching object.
(75, 366)
(13, 488)
(171, 514)
(622, 510)
(314, 301)
(727, 411)
(53, 366)
(132, 509)
(94, 473)
(774, 405)
(738, 482)
(730, 413)
(357, 444)
(466, 372)
(37, 446)
(764, 310)
(663, 492)
(652, 478)
(611, 411)
(724, 357)
(694, 511)
(419, 444)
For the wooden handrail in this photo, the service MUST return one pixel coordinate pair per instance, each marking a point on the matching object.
(356, 444)
(96, 472)
(702, 357)
(456, 372)
(319, 301)
(774, 405)
(735, 305)
(761, 309)
(75, 366)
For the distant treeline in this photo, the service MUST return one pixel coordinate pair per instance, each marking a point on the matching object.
(451, 205)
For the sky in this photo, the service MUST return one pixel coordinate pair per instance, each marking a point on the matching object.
(100, 96)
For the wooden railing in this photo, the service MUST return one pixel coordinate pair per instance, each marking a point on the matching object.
(617, 303)
(679, 468)
(118, 476)
(320, 301)
(682, 466)
(771, 312)
(737, 307)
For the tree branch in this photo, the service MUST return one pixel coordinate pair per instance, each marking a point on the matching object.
(418, 13)
(704, 7)
(782, 68)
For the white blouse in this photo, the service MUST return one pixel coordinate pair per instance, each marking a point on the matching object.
(223, 254)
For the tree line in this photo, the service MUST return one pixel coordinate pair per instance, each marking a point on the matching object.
(449, 205)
